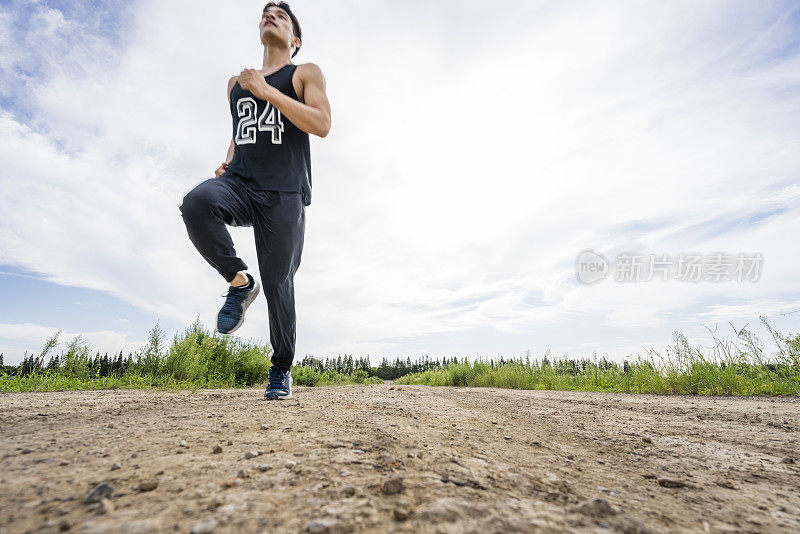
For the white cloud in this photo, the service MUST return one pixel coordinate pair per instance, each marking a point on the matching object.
(475, 151)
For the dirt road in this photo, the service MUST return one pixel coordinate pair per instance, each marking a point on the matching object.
(397, 458)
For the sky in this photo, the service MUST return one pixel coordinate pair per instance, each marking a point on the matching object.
(476, 150)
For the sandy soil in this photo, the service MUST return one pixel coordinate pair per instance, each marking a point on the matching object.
(397, 458)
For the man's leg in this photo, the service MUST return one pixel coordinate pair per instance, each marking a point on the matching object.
(206, 210)
(279, 226)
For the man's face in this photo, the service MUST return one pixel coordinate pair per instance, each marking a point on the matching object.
(275, 22)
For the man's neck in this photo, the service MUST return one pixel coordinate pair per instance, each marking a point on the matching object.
(275, 58)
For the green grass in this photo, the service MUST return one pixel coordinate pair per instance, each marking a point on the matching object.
(738, 367)
(307, 376)
(197, 359)
(50, 380)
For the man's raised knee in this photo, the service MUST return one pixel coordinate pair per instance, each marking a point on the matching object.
(194, 201)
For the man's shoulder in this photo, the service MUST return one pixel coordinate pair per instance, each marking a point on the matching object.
(231, 82)
(309, 70)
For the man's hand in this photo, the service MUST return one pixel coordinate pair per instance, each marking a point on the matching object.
(312, 113)
(221, 170)
(251, 80)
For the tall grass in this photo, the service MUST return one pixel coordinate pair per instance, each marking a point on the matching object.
(731, 367)
(195, 359)
(309, 376)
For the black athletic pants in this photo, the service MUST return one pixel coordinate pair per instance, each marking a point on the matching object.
(278, 221)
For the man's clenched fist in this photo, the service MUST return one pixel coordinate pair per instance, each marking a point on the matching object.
(251, 80)
(221, 169)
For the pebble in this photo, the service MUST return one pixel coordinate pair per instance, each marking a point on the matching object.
(217, 450)
(290, 465)
(226, 511)
(100, 492)
(182, 443)
(787, 460)
(401, 514)
(506, 437)
(647, 440)
(671, 483)
(230, 442)
(206, 527)
(348, 491)
(250, 454)
(148, 485)
(392, 485)
(325, 526)
(26, 451)
(265, 427)
(116, 466)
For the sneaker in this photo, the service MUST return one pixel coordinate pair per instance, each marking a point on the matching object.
(279, 384)
(231, 316)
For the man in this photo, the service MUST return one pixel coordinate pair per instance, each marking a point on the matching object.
(264, 182)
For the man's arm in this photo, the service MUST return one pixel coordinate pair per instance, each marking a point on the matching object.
(229, 156)
(231, 83)
(313, 116)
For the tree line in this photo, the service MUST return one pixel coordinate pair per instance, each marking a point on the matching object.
(118, 364)
(100, 365)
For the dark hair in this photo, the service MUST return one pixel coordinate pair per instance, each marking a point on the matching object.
(295, 24)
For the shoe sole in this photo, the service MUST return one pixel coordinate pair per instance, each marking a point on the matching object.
(245, 304)
(280, 397)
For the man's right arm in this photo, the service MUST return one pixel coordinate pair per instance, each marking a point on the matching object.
(229, 156)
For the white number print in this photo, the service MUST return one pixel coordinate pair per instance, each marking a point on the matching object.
(269, 121)
(245, 130)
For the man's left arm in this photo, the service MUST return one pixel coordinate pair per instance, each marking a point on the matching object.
(312, 116)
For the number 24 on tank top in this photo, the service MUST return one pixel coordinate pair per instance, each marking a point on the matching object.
(248, 127)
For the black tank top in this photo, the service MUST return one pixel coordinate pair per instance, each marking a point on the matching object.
(270, 153)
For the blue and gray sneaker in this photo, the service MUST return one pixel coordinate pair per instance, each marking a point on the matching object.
(279, 384)
(231, 316)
